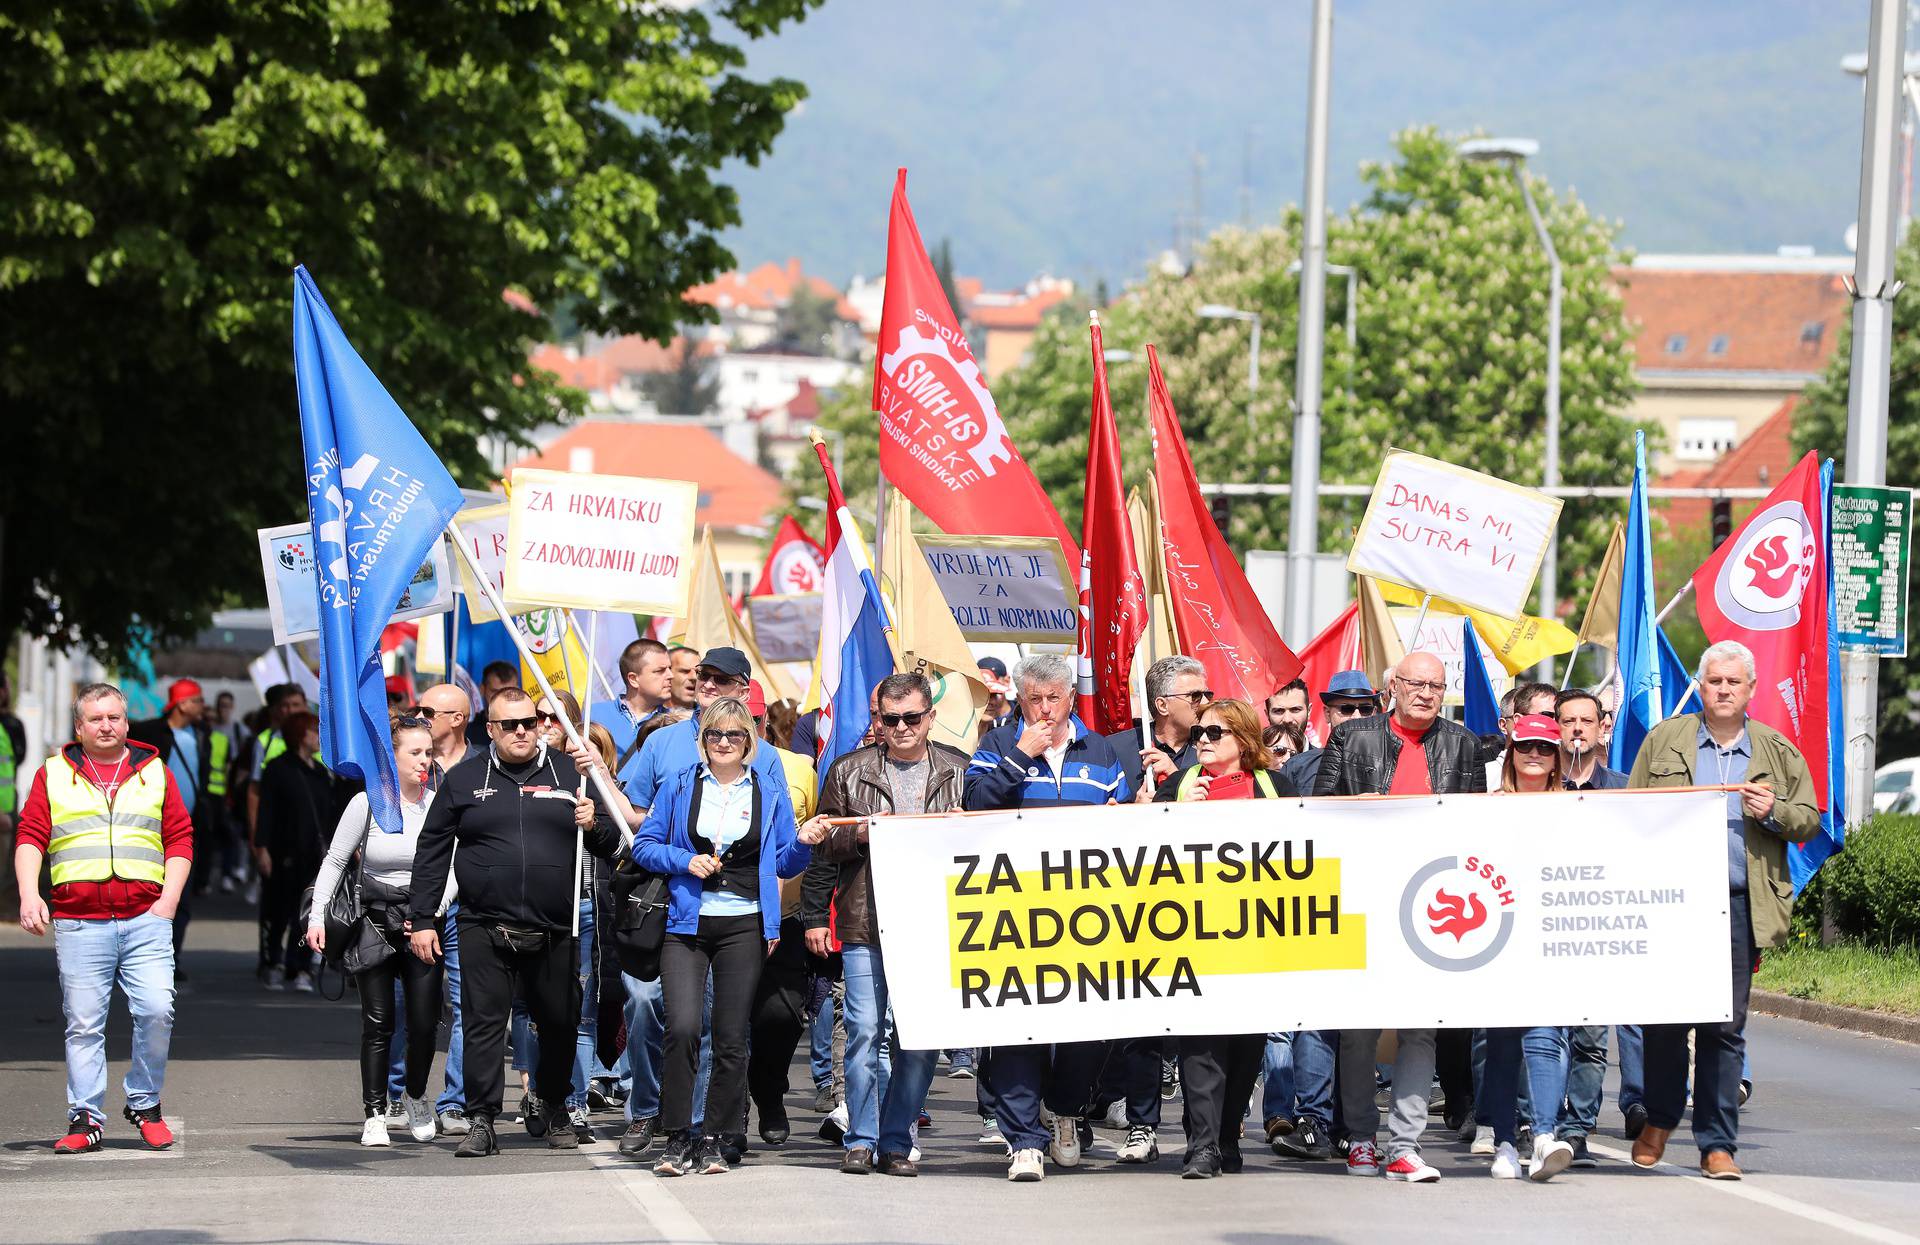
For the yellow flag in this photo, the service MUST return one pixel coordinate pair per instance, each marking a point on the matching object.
(1601, 626)
(1520, 643)
(926, 639)
(557, 648)
(1380, 646)
(712, 623)
(1158, 641)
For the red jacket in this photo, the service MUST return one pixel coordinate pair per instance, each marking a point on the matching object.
(115, 897)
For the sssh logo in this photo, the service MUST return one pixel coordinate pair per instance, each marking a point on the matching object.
(1457, 914)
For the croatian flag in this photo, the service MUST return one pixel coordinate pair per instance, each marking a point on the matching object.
(856, 650)
(378, 498)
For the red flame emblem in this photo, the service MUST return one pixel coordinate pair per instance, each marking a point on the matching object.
(1774, 570)
(1451, 914)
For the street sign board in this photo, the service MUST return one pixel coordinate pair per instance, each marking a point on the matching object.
(1872, 545)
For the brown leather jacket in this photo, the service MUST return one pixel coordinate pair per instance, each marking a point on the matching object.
(856, 786)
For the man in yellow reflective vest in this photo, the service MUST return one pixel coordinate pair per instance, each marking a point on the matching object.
(107, 817)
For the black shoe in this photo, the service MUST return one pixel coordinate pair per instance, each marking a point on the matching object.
(733, 1148)
(832, 1131)
(533, 1113)
(1746, 1088)
(708, 1160)
(774, 1126)
(558, 1128)
(639, 1136)
(897, 1165)
(1581, 1158)
(1306, 1142)
(1457, 1117)
(1230, 1161)
(857, 1161)
(479, 1141)
(1202, 1163)
(1084, 1131)
(1636, 1119)
(677, 1159)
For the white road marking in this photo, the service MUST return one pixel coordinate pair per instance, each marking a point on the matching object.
(668, 1215)
(1747, 1191)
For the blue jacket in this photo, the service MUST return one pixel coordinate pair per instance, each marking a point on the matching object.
(665, 846)
(1001, 776)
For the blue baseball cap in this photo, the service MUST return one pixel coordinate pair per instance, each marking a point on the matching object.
(1348, 684)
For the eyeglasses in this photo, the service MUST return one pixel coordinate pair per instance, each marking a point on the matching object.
(510, 726)
(1213, 732)
(1354, 708)
(1418, 686)
(903, 719)
(1535, 747)
(1196, 698)
(546, 717)
(714, 678)
(737, 739)
(408, 722)
(422, 711)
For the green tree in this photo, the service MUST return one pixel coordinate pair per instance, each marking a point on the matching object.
(1820, 425)
(689, 387)
(164, 165)
(807, 324)
(1451, 362)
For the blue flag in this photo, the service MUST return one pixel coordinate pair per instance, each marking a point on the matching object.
(1482, 706)
(1676, 690)
(1805, 859)
(378, 498)
(1640, 699)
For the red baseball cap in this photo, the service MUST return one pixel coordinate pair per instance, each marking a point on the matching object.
(182, 689)
(1536, 726)
(756, 699)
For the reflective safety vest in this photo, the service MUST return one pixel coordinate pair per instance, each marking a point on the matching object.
(218, 757)
(7, 763)
(94, 839)
(1262, 782)
(272, 745)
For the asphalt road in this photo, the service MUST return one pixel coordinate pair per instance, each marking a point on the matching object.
(263, 1089)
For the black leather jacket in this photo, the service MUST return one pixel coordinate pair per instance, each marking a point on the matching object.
(1361, 757)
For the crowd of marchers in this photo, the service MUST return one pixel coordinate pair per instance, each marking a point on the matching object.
(726, 913)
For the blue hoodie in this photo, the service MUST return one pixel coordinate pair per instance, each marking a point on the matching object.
(1001, 776)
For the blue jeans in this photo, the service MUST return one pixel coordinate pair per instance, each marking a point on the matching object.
(1632, 1042)
(93, 955)
(906, 1097)
(1545, 1050)
(1313, 1060)
(1482, 1105)
(1719, 1055)
(867, 1043)
(1586, 1069)
(820, 1045)
(646, 1030)
(1276, 1077)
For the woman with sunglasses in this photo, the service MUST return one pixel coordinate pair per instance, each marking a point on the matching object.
(722, 838)
(1532, 766)
(1219, 1070)
(386, 882)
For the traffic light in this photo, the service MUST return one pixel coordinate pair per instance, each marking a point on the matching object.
(1722, 521)
(1219, 508)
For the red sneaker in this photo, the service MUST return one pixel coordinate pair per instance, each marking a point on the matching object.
(153, 1129)
(83, 1135)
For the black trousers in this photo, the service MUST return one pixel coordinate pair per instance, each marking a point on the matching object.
(1217, 1074)
(420, 983)
(282, 925)
(732, 948)
(1453, 1063)
(547, 978)
(1718, 1050)
(778, 1020)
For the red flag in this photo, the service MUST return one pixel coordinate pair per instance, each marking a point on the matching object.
(1767, 588)
(942, 441)
(1216, 615)
(1113, 596)
(795, 564)
(1333, 650)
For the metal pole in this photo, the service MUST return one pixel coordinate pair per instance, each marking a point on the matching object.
(1874, 291)
(1253, 370)
(1303, 526)
(1550, 469)
(879, 515)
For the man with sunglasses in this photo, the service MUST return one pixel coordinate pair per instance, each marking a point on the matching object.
(1411, 751)
(515, 811)
(1176, 693)
(675, 749)
(901, 773)
(1348, 695)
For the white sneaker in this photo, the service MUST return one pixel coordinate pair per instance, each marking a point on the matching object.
(1506, 1162)
(374, 1131)
(420, 1121)
(1027, 1166)
(990, 1135)
(1482, 1141)
(913, 1142)
(1115, 1118)
(276, 979)
(1064, 1147)
(1550, 1157)
(302, 982)
(1142, 1145)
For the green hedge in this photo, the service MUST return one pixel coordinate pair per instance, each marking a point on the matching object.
(1872, 888)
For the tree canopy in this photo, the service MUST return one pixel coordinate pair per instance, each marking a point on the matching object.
(165, 164)
(1451, 358)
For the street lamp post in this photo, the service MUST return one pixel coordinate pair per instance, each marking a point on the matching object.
(1514, 153)
(1352, 276)
(1856, 63)
(1219, 311)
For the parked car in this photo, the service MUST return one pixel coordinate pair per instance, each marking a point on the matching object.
(1893, 780)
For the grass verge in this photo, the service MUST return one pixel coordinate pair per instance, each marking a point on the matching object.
(1877, 979)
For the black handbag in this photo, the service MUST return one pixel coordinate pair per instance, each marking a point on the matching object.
(341, 920)
(376, 935)
(640, 902)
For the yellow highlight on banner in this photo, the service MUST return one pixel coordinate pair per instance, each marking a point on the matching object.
(1172, 921)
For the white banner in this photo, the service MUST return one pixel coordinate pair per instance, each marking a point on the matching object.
(1006, 589)
(485, 532)
(1256, 916)
(603, 542)
(1459, 534)
(1445, 636)
(293, 594)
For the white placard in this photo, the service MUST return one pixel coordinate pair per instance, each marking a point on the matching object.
(602, 542)
(787, 628)
(484, 529)
(1258, 916)
(1462, 535)
(1444, 635)
(293, 594)
(1006, 589)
